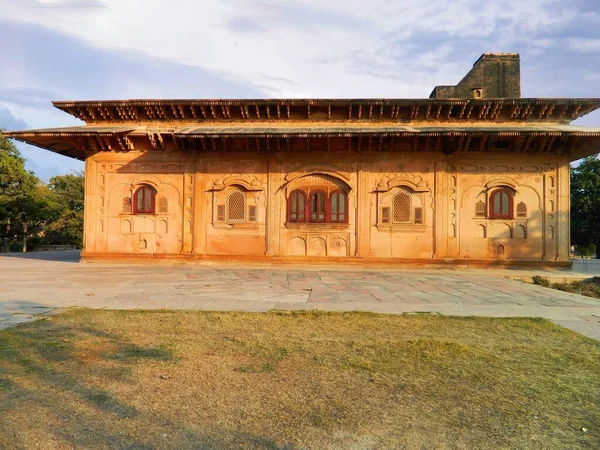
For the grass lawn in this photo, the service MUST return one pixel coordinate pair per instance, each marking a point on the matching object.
(158, 379)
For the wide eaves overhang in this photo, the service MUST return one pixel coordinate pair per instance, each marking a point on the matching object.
(80, 142)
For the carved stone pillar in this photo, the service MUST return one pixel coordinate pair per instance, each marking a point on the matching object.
(453, 212)
(563, 233)
(200, 213)
(549, 215)
(273, 206)
(363, 210)
(90, 202)
(188, 207)
(440, 212)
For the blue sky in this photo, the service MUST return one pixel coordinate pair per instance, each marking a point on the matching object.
(116, 49)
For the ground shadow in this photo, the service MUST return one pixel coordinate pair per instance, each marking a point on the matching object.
(591, 266)
(73, 256)
(43, 375)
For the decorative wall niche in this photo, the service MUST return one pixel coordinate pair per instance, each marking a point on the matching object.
(163, 205)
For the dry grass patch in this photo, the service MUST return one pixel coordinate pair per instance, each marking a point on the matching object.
(157, 379)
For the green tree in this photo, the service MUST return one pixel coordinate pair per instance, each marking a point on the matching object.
(15, 183)
(68, 227)
(32, 211)
(585, 203)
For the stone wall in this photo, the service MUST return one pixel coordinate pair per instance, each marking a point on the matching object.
(399, 205)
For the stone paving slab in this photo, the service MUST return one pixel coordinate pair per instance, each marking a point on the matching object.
(32, 287)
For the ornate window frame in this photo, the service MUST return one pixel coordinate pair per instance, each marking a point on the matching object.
(333, 194)
(505, 202)
(223, 190)
(145, 195)
(387, 217)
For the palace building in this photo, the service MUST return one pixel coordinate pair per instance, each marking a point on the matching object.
(475, 174)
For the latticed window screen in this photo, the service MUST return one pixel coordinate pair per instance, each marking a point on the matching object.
(521, 210)
(402, 205)
(236, 207)
(480, 209)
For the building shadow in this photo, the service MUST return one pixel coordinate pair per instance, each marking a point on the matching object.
(590, 266)
(43, 366)
(71, 256)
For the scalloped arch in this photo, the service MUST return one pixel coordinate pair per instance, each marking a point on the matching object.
(252, 185)
(415, 182)
(326, 169)
(291, 177)
(501, 181)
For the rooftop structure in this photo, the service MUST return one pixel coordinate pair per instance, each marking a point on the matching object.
(486, 173)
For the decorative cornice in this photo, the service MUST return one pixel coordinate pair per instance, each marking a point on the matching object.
(562, 110)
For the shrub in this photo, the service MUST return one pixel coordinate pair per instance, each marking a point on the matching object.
(540, 281)
(565, 287)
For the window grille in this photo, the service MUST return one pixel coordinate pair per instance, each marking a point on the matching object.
(521, 210)
(236, 207)
(402, 205)
(480, 209)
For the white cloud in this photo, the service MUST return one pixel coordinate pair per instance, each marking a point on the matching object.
(284, 48)
(309, 47)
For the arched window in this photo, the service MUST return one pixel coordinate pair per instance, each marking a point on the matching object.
(236, 206)
(501, 204)
(297, 207)
(144, 200)
(338, 207)
(401, 207)
(317, 206)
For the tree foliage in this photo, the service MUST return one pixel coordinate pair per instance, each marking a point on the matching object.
(31, 211)
(53, 213)
(585, 203)
(68, 227)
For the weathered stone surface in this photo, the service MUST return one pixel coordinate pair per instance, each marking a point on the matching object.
(494, 75)
(480, 179)
(34, 288)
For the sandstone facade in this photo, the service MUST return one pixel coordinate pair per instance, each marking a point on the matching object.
(466, 180)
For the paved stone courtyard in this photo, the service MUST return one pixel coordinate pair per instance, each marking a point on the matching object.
(37, 284)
